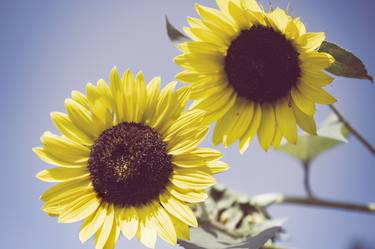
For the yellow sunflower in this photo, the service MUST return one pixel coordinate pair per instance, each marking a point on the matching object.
(128, 162)
(254, 72)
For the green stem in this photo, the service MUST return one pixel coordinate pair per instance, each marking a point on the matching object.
(353, 131)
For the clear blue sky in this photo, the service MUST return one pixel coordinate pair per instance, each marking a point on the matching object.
(48, 48)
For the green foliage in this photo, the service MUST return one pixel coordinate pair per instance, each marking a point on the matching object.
(346, 64)
(265, 200)
(173, 33)
(210, 238)
(230, 220)
(332, 133)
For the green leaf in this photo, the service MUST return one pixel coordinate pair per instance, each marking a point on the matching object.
(210, 238)
(332, 133)
(346, 64)
(173, 33)
(230, 220)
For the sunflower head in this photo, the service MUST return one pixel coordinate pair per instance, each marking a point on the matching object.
(254, 72)
(128, 161)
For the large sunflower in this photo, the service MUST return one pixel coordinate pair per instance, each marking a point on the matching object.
(128, 161)
(254, 72)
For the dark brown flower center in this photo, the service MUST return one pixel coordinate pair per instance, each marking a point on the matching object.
(129, 164)
(262, 64)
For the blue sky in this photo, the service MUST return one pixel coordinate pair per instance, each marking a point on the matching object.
(49, 48)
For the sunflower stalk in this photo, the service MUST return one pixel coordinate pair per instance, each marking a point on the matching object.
(360, 138)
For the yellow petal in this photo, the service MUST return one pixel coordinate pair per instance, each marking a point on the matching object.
(105, 92)
(113, 237)
(92, 93)
(192, 179)
(164, 225)
(216, 105)
(217, 167)
(117, 90)
(64, 149)
(178, 209)
(197, 157)
(64, 187)
(130, 96)
(223, 34)
(267, 126)
(188, 143)
(316, 94)
(291, 30)
(215, 16)
(223, 6)
(186, 120)
(182, 230)
(187, 196)
(62, 174)
(317, 79)
(93, 223)
(240, 124)
(209, 86)
(315, 61)
(200, 47)
(239, 15)
(80, 209)
(166, 102)
(277, 137)
(129, 222)
(252, 128)
(278, 19)
(66, 126)
(301, 27)
(205, 34)
(153, 91)
(311, 41)
(81, 118)
(302, 102)
(183, 97)
(188, 76)
(304, 121)
(51, 159)
(140, 97)
(286, 119)
(250, 5)
(61, 202)
(146, 231)
(200, 62)
(103, 234)
(80, 98)
(226, 123)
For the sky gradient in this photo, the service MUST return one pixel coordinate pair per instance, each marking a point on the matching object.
(49, 48)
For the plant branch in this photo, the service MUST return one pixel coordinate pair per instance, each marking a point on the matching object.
(317, 202)
(306, 180)
(353, 131)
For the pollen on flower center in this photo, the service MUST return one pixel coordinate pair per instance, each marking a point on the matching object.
(262, 64)
(129, 165)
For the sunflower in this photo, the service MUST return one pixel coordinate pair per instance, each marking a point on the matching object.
(128, 162)
(254, 72)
